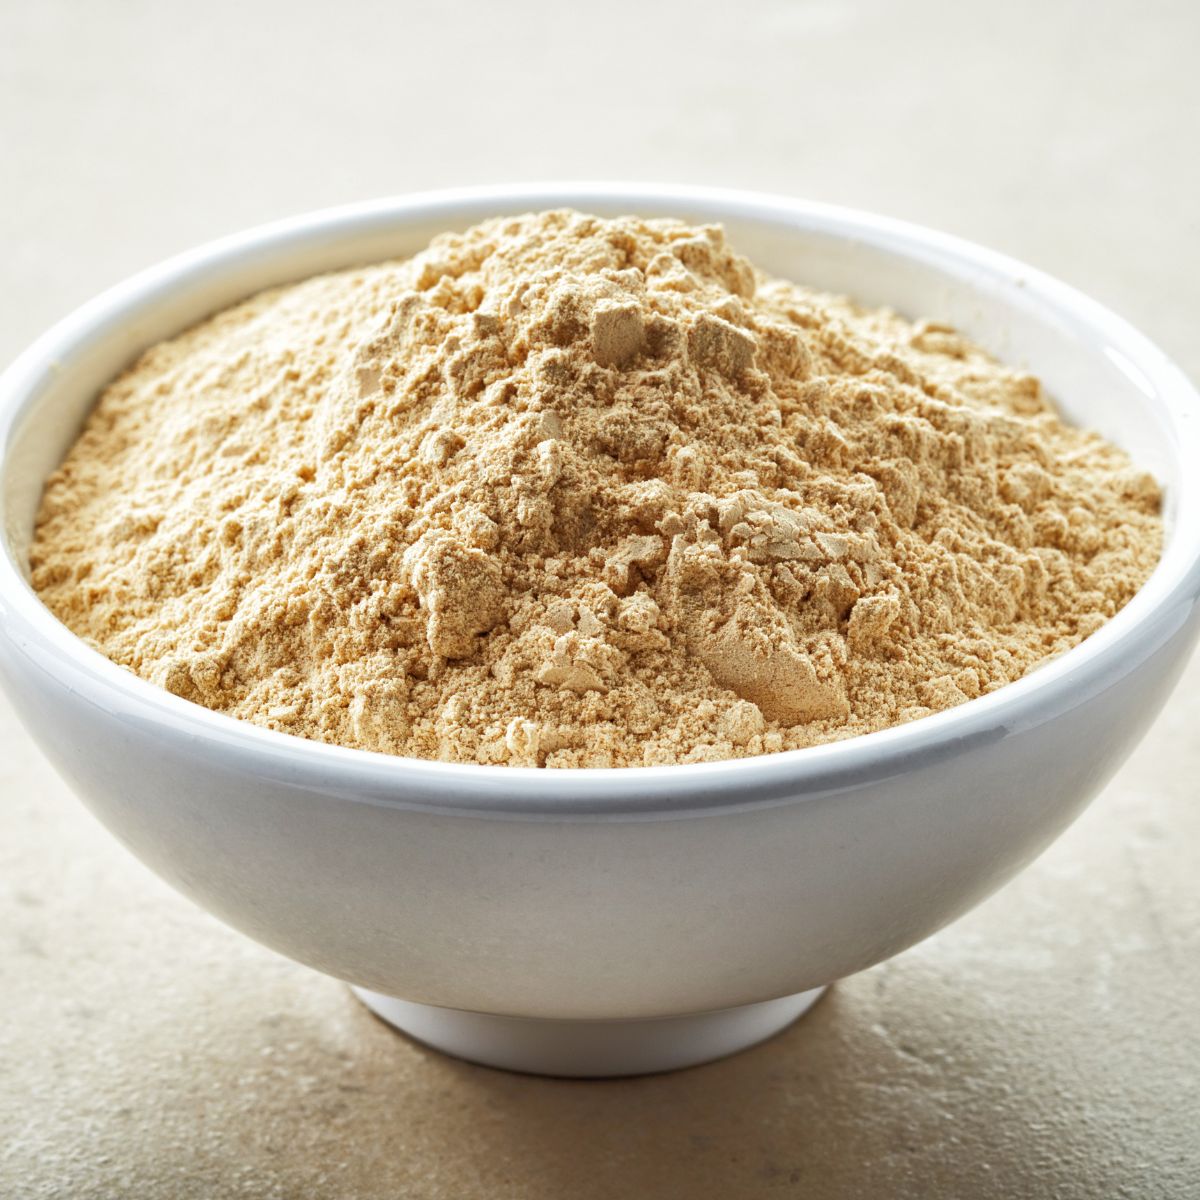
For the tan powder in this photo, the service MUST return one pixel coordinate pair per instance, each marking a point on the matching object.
(578, 492)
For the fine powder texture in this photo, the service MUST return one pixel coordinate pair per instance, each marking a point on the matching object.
(566, 491)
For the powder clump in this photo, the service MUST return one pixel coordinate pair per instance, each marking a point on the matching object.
(564, 491)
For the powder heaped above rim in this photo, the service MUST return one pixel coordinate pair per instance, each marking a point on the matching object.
(570, 491)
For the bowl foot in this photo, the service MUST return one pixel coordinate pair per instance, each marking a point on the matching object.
(589, 1048)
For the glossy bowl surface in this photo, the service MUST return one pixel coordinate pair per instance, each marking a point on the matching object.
(607, 894)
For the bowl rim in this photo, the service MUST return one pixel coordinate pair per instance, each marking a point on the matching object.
(1156, 611)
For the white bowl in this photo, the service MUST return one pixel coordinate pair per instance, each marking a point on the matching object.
(605, 921)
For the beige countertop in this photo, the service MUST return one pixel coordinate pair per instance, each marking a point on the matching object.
(1046, 1045)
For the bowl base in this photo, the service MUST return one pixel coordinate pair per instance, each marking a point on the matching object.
(589, 1049)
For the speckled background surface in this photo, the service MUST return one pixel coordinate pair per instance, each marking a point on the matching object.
(1046, 1045)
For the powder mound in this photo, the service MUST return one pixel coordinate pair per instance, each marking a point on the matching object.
(564, 491)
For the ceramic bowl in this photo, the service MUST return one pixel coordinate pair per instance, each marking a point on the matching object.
(600, 922)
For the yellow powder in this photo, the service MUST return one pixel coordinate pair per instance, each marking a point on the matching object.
(578, 492)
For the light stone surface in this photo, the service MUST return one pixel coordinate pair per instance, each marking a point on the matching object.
(1048, 1044)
